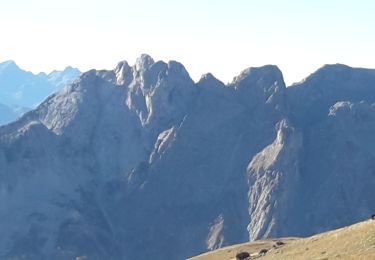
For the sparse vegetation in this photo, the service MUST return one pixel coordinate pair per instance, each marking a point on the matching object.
(352, 242)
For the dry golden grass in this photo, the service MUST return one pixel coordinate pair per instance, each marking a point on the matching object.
(353, 242)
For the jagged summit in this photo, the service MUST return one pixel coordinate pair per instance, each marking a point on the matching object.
(149, 70)
(123, 72)
(120, 65)
(144, 62)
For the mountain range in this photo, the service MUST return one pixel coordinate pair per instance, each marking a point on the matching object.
(140, 162)
(21, 91)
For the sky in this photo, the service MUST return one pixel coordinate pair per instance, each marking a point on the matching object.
(223, 37)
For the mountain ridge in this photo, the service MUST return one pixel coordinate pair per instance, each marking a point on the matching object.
(141, 155)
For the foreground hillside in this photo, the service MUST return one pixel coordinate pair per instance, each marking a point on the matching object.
(352, 242)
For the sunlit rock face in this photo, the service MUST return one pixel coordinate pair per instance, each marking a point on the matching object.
(143, 163)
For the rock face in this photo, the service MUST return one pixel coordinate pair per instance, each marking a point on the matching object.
(273, 177)
(143, 163)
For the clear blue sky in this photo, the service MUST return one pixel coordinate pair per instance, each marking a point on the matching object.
(219, 36)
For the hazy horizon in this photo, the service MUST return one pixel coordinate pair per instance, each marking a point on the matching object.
(219, 37)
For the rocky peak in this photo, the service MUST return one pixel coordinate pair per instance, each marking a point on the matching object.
(8, 66)
(207, 76)
(124, 73)
(175, 67)
(209, 80)
(159, 91)
(143, 62)
(262, 77)
(262, 85)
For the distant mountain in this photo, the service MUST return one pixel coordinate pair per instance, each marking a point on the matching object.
(140, 162)
(60, 79)
(7, 114)
(19, 88)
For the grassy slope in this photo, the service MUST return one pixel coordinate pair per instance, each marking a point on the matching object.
(353, 242)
